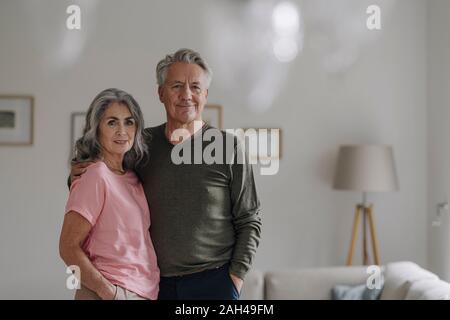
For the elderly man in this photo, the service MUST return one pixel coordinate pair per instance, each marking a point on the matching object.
(205, 217)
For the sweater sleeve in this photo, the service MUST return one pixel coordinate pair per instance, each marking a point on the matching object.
(246, 213)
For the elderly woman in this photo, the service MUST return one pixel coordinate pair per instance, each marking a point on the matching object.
(106, 226)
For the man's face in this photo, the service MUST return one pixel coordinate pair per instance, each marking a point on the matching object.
(184, 93)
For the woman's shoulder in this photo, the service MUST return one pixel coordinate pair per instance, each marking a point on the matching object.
(93, 176)
(96, 170)
(97, 166)
(100, 171)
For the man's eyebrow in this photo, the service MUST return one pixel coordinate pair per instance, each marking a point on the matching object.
(182, 82)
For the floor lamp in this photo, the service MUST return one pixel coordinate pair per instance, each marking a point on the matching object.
(365, 168)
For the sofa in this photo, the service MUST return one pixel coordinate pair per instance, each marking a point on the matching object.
(401, 281)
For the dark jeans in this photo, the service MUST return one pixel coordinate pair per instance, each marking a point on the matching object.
(214, 284)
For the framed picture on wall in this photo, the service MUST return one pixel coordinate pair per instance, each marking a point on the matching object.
(213, 115)
(16, 120)
(77, 125)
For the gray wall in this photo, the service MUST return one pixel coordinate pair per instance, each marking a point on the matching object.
(438, 135)
(380, 98)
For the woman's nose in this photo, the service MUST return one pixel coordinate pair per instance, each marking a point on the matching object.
(121, 129)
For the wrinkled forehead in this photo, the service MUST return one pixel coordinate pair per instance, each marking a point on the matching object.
(185, 72)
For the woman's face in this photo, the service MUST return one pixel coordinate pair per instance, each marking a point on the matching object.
(117, 130)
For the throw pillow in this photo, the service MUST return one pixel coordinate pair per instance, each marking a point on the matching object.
(358, 292)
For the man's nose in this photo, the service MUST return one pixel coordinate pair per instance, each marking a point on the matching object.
(186, 93)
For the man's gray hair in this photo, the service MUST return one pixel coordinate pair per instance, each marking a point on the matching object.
(182, 55)
(88, 147)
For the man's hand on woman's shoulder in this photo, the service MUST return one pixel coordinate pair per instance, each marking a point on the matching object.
(78, 169)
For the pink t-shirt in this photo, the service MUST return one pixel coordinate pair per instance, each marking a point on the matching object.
(119, 243)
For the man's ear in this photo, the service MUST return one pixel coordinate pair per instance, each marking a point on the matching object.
(207, 90)
(160, 93)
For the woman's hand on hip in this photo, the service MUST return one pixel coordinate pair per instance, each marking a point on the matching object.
(108, 292)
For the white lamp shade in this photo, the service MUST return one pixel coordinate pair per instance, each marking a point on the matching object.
(366, 168)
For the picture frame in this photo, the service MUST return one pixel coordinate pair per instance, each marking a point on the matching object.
(262, 154)
(77, 121)
(213, 115)
(16, 120)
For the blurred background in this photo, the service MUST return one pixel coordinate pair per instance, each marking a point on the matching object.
(309, 67)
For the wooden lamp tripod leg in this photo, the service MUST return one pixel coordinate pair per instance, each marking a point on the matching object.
(365, 213)
(354, 235)
(374, 236)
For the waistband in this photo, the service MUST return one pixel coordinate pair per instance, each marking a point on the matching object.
(198, 274)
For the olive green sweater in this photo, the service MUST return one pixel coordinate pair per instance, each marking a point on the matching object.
(202, 215)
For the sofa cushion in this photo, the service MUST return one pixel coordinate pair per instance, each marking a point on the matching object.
(419, 288)
(440, 292)
(399, 277)
(310, 284)
(253, 287)
(431, 289)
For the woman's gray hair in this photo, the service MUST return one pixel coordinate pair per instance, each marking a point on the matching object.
(88, 147)
(182, 55)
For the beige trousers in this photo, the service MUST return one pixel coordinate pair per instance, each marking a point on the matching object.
(121, 294)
